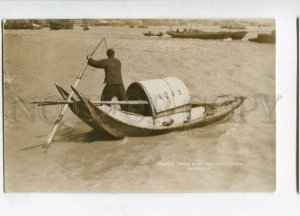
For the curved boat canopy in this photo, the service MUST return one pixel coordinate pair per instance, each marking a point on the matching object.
(166, 96)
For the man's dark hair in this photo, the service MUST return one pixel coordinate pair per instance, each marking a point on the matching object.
(110, 52)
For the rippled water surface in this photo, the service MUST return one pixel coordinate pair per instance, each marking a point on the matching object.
(233, 155)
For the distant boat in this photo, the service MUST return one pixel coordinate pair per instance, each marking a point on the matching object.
(131, 26)
(265, 38)
(57, 25)
(233, 27)
(199, 34)
(152, 34)
(20, 24)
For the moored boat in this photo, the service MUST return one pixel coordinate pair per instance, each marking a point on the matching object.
(152, 34)
(21, 24)
(60, 24)
(199, 34)
(165, 106)
(265, 38)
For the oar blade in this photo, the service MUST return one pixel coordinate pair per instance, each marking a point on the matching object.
(69, 98)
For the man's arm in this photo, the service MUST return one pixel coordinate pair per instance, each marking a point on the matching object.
(97, 64)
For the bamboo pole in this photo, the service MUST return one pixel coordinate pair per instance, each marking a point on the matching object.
(60, 116)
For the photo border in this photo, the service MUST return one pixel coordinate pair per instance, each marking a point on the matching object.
(284, 201)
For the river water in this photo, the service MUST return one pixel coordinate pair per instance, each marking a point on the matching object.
(233, 155)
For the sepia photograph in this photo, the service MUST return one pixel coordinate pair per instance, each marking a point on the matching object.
(139, 105)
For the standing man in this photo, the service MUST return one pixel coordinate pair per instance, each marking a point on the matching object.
(113, 77)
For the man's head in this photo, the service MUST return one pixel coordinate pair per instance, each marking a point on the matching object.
(110, 53)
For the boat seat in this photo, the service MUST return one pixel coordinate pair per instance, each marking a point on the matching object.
(126, 117)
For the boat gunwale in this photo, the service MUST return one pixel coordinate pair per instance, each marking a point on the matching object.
(177, 125)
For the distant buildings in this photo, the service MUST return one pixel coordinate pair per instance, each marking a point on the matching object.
(68, 23)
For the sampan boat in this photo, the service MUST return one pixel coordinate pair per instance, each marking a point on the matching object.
(165, 106)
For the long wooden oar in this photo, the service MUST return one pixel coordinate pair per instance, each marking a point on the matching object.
(60, 116)
(49, 103)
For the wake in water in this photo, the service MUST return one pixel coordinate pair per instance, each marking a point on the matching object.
(123, 141)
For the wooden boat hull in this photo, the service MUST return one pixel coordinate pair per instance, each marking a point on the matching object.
(81, 111)
(264, 38)
(120, 123)
(270, 40)
(209, 35)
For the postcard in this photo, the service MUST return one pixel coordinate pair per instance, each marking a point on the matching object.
(139, 105)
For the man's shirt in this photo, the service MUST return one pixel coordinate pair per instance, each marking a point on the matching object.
(112, 68)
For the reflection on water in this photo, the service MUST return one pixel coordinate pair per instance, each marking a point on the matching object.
(237, 154)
